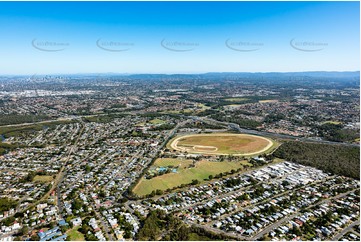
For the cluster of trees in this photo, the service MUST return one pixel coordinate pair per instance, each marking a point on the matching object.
(161, 226)
(129, 192)
(243, 197)
(139, 133)
(126, 226)
(242, 122)
(336, 132)
(104, 118)
(168, 169)
(163, 127)
(24, 130)
(6, 204)
(207, 112)
(232, 100)
(118, 105)
(87, 231)
(336, 159)
(155, 192)
(30, 176)
(272, 118)
(202, 234)
(19, 119)
(216, 206)
(5, 147)
(201, 125)
(151, 229)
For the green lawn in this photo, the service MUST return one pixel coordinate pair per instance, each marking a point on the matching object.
(75, 235)
(172, 162)
(332, 122)
(43, 178)
(157, 121)
(184, 174)
(236, 99)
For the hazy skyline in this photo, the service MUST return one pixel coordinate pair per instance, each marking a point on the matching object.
(178, 37)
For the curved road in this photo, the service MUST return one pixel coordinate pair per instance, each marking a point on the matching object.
(237, 128)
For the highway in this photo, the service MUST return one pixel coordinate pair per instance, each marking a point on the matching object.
(228, 125)
(237, 128)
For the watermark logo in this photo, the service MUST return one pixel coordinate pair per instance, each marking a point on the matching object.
(114, 46)
(307, 46)
(49, 46)
(179, 46)
(243, 46)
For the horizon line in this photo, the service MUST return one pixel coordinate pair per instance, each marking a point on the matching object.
(173, 73)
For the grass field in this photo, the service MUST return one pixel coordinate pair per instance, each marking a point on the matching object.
(235, 105)
(199, 108)
(43, 178)
(157, 121)
(236, 99)
(332, 122)
(172, 162)
(184, 174)
(268, 101)
(75, 235)
(222, 144)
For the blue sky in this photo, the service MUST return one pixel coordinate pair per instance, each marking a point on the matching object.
(178, 37)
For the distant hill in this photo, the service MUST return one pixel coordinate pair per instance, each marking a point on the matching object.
(310, 74)
(324, 74)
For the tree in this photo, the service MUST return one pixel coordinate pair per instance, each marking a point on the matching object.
(180, 234)
(7, 203)
(24, 230)
(158, 192)
(35, 237)
(150, 229)
(195, 182)
(8, 221)
(77, 204)
(336, 159)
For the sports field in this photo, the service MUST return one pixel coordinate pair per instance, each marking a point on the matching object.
(185, 174)
(222, 144)
(157, 121)
(75, 235)
(268, 101)
(236, 99)
(43, 178)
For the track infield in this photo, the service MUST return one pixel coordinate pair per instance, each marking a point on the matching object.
(185, 173)
(222, 144)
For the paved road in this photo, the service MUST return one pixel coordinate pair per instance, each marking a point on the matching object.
(58, 196)
(277, 224)
(272, 197)
(204, 119)
(345, 230)
(267, 229)
(58, 177)
(104, 223)
(236, 127)
(228, 194)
